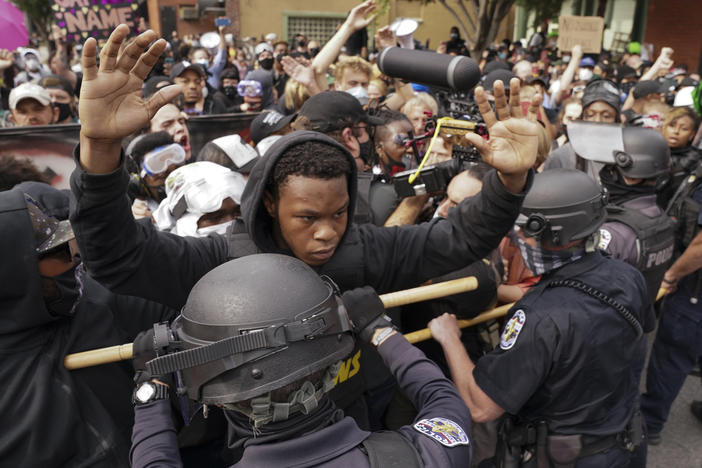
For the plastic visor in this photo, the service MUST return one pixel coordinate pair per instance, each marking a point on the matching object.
(158, 160)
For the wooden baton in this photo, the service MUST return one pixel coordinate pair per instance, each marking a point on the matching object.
(99, 356)
(425, 334)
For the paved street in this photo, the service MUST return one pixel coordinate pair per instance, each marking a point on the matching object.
(682, 435)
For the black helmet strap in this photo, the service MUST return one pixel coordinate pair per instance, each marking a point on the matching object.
(325, 320)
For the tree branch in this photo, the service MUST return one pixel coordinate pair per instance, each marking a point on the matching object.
(467, 15)
(470, 38)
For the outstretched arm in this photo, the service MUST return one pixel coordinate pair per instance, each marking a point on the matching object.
(355, 21)
(110, 104)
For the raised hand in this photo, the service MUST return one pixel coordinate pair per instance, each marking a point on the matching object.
(6, 59)
(384, 38)
(357, 17)
(300, 73)
(514, 139)
(110, 103)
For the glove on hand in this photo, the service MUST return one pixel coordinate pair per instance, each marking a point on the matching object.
(145, 348)
(366, 312)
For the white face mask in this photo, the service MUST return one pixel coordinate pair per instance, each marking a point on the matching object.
(360, 93)
(585, 74)
(205, 92)
(204, 62)
(214, 229)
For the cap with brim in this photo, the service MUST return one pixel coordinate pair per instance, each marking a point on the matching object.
(154, 84)
(262, 47)
(181, 67)
(56, 82)
(334, 110)
(267, 123)
(602, 90)
(587, 62)
(493, 76)
(646, 87)
(29, 91)
(48, 231)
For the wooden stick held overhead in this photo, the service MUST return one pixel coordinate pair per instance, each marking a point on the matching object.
(99, 356)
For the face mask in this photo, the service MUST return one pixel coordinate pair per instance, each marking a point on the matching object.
(65, 111)
(596, 76)
(360, 93)
(204, 62)
(585, 74)
(266, 63)
(454, 36)
(540, 261)
(214, 229)
(32, 64)
(70, 289)
(301, 43)
(366, 149)
(314, 51)
(502, 55)
(230, 92)
(626, 87)
(205, 92)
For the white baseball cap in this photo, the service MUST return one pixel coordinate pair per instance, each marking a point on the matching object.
(29, 91)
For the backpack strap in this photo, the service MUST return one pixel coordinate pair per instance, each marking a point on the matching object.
(390, 449)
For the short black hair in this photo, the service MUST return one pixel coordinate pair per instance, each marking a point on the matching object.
(309, 159)
(15, 170)
(388, 116)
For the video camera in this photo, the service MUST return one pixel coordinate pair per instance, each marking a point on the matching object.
(435, 178)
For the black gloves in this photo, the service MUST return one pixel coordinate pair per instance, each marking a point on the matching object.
(148, 345)
(366, 311)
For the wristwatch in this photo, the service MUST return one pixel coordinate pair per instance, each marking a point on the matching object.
(149, 391)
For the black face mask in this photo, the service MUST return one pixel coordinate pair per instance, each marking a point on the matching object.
(65, 111)
(366, 151)
(626, 87)
(314, 51)
(266, 63)
(230, 91)
(69, 285)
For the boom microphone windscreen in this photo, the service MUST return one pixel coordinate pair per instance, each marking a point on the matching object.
(420, 66)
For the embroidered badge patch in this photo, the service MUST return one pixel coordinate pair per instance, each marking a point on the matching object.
(512, 329)
(605, 239)
(444, 431)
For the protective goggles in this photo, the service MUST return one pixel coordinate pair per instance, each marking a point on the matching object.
(158, 160)
(250, 88)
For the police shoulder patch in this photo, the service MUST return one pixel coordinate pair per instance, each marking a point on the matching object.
(443, 430)
(605, 239)
(512, 329)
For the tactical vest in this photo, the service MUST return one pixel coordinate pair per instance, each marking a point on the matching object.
(655, 243)
(684, 210)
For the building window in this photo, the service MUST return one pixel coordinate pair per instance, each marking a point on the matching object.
(317, 27)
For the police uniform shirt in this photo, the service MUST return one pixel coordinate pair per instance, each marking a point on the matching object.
(566, 357)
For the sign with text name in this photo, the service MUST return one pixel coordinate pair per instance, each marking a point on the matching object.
(583, 30)
(81, 19)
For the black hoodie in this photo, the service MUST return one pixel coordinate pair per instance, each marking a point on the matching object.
(55, 417)
(134, 258)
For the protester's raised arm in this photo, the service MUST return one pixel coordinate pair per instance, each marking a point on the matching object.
(355, 21)
(110, 104)
(568, 74)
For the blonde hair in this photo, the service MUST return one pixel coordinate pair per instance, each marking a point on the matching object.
(356, 64)
(380, 84)
(421, 100)
(295, 95)
(679, 112)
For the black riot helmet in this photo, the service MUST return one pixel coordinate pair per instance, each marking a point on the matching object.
(562, 206)
(253, 325)
(638, 153)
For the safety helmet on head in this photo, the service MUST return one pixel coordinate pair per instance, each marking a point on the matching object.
(253, 325)
(562, 206)
(639, 153)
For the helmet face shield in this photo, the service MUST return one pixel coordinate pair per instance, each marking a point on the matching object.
(253, 325)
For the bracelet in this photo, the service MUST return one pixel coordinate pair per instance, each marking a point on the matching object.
(382, 336)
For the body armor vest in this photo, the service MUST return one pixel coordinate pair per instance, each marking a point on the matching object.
(655, 243)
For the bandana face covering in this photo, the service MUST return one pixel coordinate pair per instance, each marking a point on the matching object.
(70, 288)
(541, 261)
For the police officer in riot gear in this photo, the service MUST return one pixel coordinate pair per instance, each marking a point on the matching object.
(267, 351)
(636, 160)
(581, 327)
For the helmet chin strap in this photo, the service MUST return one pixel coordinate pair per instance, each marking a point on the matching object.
(303, 400)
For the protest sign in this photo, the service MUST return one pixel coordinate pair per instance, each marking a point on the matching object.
(80, 19)
(583, 30)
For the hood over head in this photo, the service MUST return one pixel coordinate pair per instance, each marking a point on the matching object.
(21, 298)
(258, 222)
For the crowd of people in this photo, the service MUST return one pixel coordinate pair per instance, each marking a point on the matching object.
(247, 273)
